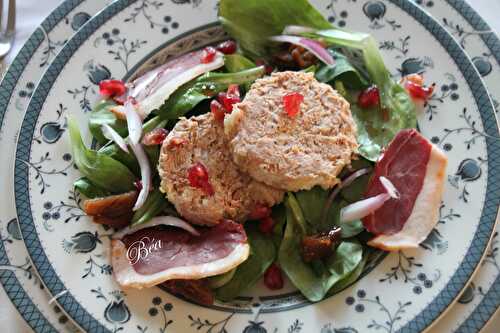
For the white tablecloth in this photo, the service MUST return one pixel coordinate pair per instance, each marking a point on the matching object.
(30, 14)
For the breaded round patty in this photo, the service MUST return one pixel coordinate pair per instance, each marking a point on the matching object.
(201, 140)
(292, 153)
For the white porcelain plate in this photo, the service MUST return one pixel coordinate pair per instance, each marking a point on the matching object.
(406, 291)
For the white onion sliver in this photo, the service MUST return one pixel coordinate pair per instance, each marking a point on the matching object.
(297, 30)
(134, 123)
(143, 160)
(312, 46)
(389, 187)
(362, 208)
(110, 134)
(155, 221)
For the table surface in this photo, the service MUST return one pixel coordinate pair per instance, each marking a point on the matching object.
(30, 14)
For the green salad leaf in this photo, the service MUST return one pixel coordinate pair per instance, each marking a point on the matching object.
(101, 115)
(313, 280)
(237, 62)
(102, 170)
(342, 71)
(262, 255)
(377, 127)
(154, 205)
(349, 278)
(252, 22)
(204, 87)
(91, 191)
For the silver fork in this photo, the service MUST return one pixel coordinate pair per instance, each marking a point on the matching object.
(7, 35)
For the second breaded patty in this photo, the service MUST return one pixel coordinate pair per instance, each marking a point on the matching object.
(201, 140)
(292, 153)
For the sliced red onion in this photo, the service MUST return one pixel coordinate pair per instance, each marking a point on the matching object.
(110, 134)
(365, 207)
(155, 221)
(134, 123)
(311, 45)
(346, 182)
(143, 160)
(297, 30)
(155, 89)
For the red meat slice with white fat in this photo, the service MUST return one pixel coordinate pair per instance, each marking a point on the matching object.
(417, 169)
(154, 255)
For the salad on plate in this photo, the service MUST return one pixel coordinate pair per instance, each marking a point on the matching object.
(287, 150)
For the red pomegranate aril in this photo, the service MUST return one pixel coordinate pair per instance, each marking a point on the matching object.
(417, 91)
(228, 101)
(259, 212)
(198, 178)
(112, 88)
(208, 55)
(227, 47)
(155, 137)
(266, 225)
(138, 185)
(273, 279)
(268, 68)
(291, 103)
(233, 90)
(217, 110)
(369, 98)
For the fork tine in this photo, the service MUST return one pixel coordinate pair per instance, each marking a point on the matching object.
(11, 17)
(1, 14)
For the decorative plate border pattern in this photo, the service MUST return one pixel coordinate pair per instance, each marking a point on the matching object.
(426, 317)
(491, 301)
(487, 222)
(15, 291)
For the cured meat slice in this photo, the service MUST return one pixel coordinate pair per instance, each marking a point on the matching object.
(417, 169)
(154, 255)
(153, 88)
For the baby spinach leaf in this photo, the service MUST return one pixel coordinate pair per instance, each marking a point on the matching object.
(100, 169)
(350, 278)
(237, 63)
(204, 87)
(251, 22)
(351, 229)
(101, 115)
(346, 258)
(262, 255)
(342, 71)
(91, 191)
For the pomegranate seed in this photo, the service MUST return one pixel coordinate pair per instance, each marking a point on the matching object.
(138, 185)
(208, 55)
(233, 90)
(291, 103)
(228, 101)
(176, 142)
(227, 47)
(268, 68)
(369, 98)
(112, 88)
(217, 110)
(417, 91)
(259, 212)
(266, 225)
(273, 278)
(155, 137)
(198, 178)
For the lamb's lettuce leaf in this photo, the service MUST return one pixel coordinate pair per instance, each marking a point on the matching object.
(342, 71)
(154, 205)
(102, 170)
(91, 191)
(204, 87)
(316, 279)
(101, 115)
(262, 255)
(251, 22)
